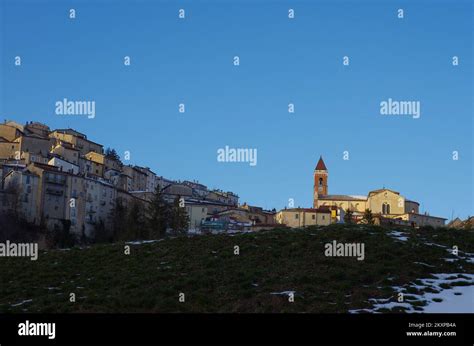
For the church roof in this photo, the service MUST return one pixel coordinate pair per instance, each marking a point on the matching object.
(374, 192)
(321, 166)
(342, 198)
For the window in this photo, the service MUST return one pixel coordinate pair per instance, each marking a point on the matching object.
(313, 216)
(385, 208)
(320, 181)
(296, 216)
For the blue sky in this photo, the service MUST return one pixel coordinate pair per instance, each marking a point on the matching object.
(281, 61)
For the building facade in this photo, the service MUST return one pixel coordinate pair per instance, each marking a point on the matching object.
(386, 203)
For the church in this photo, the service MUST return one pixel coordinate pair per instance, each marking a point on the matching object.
(385, 203)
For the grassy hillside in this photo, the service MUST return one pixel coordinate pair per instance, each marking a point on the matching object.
(213, 279)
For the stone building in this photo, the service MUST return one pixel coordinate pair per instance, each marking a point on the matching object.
(303, 217)
(21, 195)
(78, 140)
(387, 203)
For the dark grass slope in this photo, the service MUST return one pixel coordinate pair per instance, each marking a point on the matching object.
(213, 279)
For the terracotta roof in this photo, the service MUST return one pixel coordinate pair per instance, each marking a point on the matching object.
(321, 166)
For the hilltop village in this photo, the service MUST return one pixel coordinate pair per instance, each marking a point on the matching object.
(51, 176)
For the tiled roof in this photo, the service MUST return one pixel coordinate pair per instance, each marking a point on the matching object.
(341, 198)
(321, 166)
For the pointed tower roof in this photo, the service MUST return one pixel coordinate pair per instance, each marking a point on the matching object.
(321, 166)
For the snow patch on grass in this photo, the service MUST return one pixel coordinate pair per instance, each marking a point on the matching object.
(23, 302)
(398, 235)
(284, 293)
(139, 242)
(450, 293)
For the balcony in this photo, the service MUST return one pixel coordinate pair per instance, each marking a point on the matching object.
(54, 192)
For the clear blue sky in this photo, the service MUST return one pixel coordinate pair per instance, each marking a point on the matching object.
(282, 61)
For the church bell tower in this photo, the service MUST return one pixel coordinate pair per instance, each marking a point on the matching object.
(320, 181)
